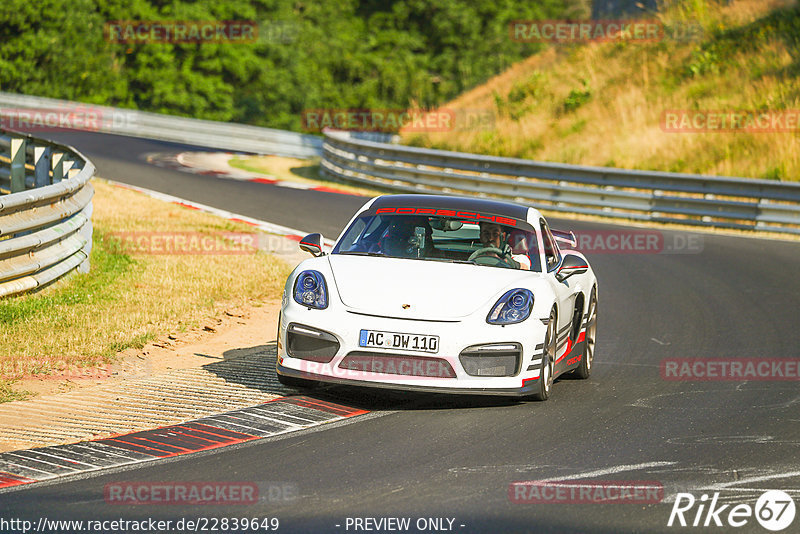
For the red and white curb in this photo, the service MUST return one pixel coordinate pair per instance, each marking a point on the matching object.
(216, 164)
(272, 418)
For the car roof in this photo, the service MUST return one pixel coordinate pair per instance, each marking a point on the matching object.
(471, 204)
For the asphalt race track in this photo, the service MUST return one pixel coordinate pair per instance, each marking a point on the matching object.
(425, 457)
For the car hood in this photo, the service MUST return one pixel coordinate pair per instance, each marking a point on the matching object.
(419, 289)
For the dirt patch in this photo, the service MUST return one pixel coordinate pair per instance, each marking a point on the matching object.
(233, 330)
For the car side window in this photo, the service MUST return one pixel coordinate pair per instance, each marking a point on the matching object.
(551, 254)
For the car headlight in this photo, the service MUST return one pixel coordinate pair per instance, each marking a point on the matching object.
(310, 290)
(513, 307)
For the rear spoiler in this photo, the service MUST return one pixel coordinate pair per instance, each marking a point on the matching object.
(567, 238)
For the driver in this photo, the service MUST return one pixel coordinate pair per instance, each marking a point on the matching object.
(492, 235)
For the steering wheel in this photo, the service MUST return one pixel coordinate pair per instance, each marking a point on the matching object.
(484, 251)
(482, 257)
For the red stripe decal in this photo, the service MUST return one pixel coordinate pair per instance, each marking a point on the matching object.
(566, 350)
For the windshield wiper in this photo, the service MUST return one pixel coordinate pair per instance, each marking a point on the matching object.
(361, 253)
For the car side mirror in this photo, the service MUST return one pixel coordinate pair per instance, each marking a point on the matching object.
(571, 264)
(312, 243)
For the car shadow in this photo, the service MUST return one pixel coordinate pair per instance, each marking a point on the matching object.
(254, 367)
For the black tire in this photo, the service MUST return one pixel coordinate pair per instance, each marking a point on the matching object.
(293, 382)
(584, 369)
(548, 360)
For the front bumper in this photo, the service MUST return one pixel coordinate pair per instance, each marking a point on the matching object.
(454, 337)
(528, 389)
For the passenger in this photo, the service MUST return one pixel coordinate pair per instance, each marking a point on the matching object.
(403, 238)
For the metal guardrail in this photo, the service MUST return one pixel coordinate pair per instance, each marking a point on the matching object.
(45, 212)
(692, 199)
(212, 134)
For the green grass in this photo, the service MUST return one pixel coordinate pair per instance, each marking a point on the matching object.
(58, 302)
(108, 262)
(127, 298)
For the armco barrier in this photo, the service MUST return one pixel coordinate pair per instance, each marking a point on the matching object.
(722, 202)
(45, 212)
(212, 134)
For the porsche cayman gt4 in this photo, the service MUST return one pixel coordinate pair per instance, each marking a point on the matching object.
(444, 294)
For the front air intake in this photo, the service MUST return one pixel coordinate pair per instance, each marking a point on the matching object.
(498, 359)
(306, 343)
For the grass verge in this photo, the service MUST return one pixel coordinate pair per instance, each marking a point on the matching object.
(129, 297)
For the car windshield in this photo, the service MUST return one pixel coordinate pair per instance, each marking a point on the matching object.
(441, 239)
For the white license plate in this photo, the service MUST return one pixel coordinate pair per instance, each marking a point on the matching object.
(398, 341)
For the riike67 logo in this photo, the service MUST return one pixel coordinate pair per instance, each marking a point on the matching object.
(774, 510)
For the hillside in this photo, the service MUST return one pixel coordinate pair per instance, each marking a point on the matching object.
(608, 103)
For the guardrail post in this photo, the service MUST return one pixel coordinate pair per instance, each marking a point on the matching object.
(57, 163)
(67, 167)
(17, 165)
(42, 157)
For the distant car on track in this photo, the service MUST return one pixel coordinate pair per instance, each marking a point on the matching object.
(439, 293)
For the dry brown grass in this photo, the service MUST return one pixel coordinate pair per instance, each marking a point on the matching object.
(630, 86)
(128, 299)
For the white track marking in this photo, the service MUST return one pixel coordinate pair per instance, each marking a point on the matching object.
(611, 470)
(726, 485)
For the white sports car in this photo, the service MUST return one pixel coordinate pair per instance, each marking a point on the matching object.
(444, 294)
